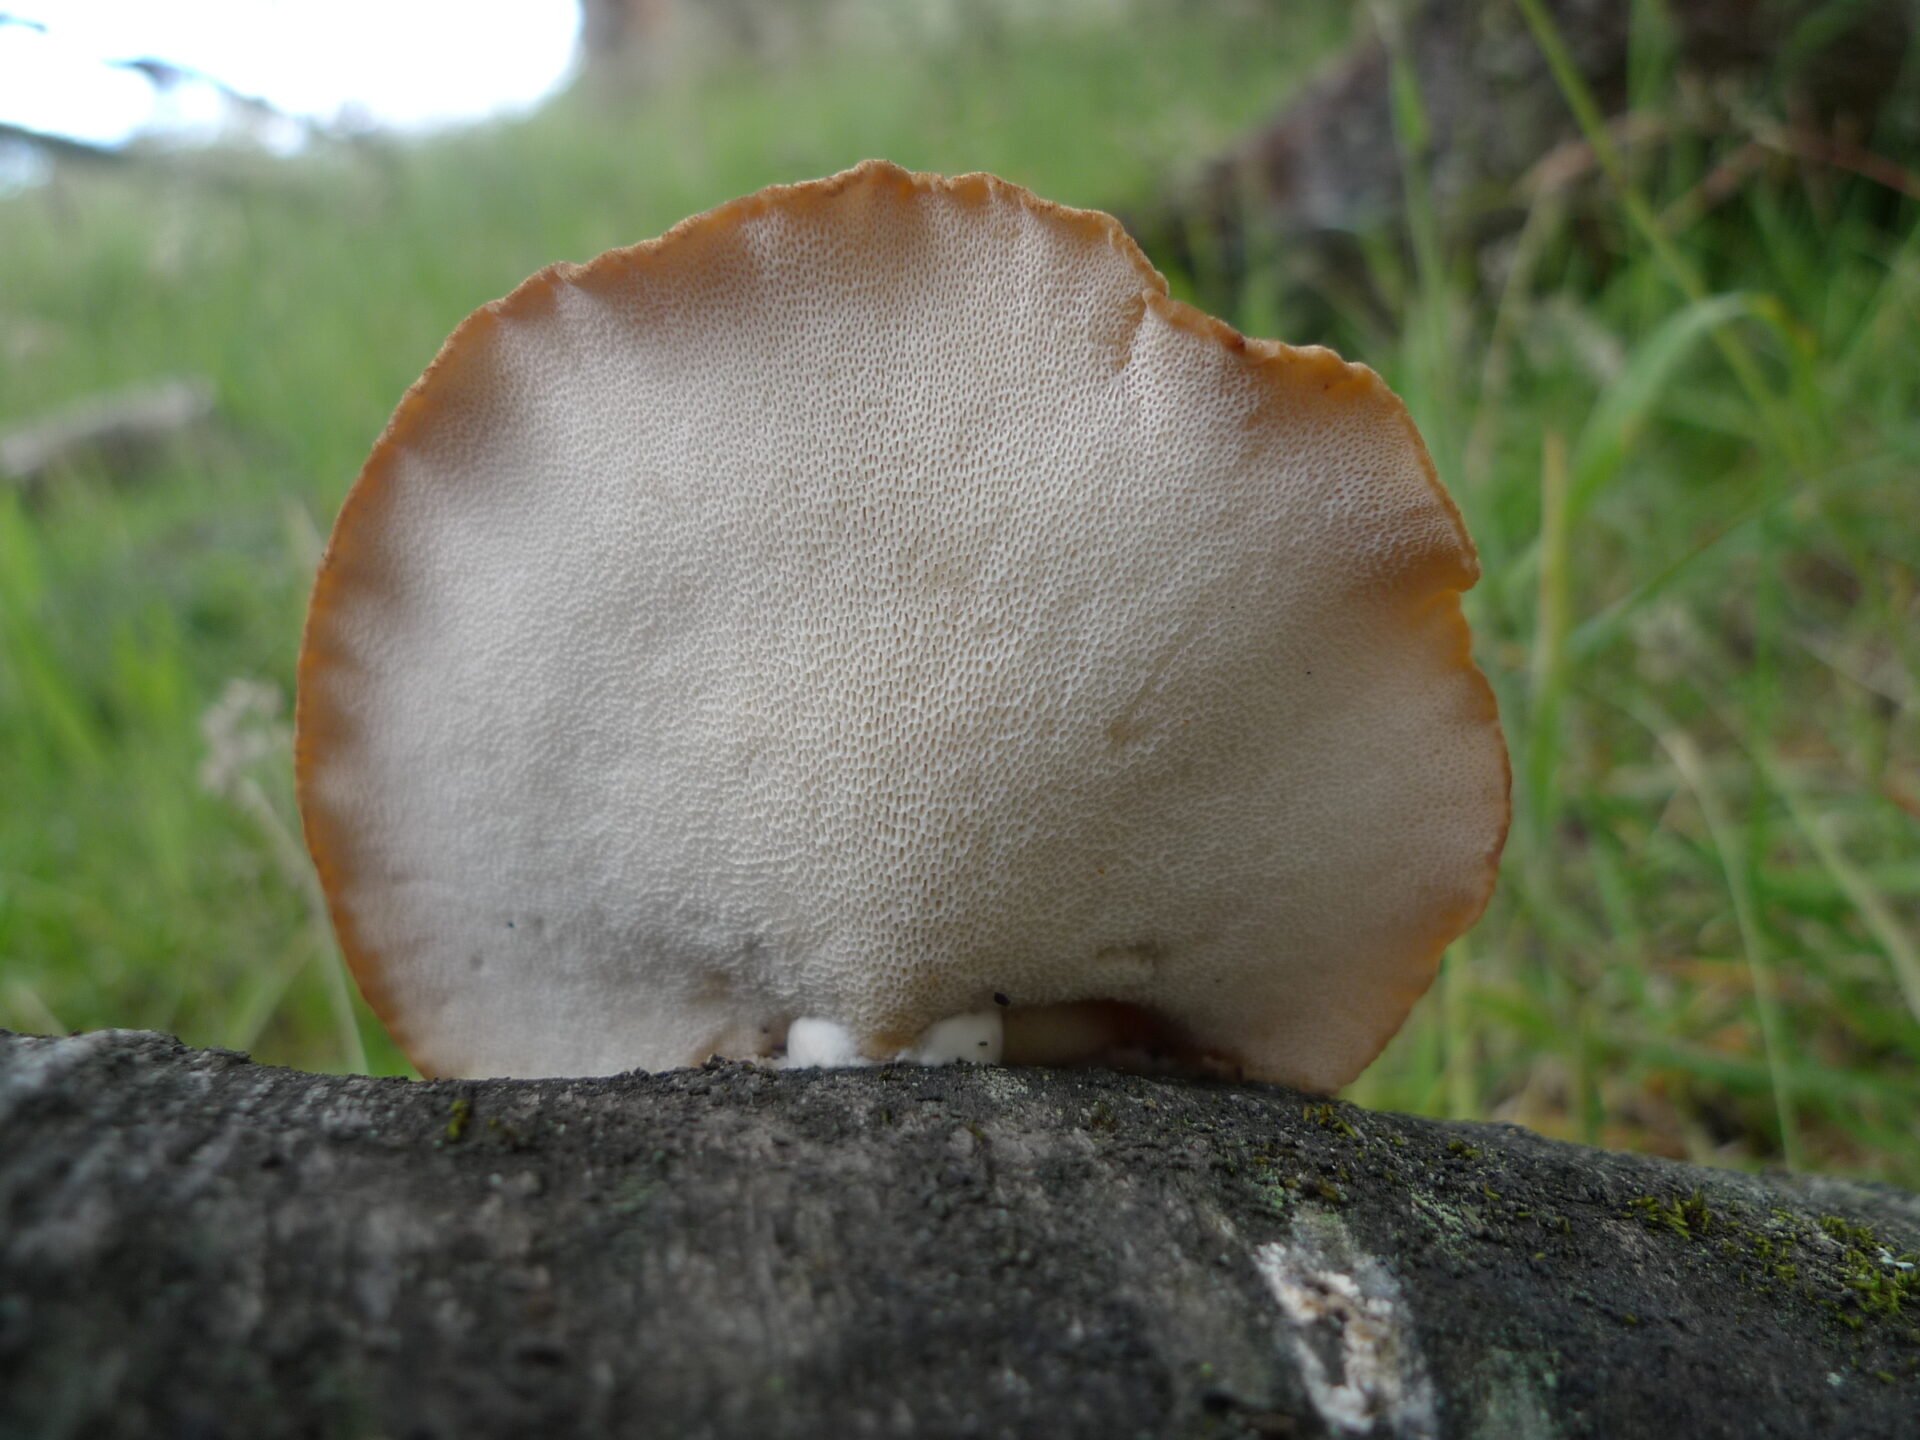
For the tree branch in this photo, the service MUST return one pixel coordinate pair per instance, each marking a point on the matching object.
(192, 1244)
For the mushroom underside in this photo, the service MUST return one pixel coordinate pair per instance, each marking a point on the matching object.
(785, 638)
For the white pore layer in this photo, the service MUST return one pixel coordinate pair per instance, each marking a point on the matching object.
(875, 599)
(814, 1042)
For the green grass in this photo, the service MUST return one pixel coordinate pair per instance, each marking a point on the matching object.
(1687, 442)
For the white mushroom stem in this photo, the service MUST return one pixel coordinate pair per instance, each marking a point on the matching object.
(814, 1042)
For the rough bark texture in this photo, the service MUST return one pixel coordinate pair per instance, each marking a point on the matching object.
(194, 1245)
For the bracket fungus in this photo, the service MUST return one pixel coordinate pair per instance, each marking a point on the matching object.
(874, 621)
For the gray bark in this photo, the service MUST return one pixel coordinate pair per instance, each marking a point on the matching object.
(193, 1245)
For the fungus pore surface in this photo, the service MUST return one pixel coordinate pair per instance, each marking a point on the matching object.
(876, 601)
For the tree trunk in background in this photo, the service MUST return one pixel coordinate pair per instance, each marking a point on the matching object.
(1331, 165)
(193, 1245)
(624, 44)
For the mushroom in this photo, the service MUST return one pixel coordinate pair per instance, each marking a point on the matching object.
(873, 621)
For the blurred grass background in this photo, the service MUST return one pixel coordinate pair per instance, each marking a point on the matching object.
(1685, 435)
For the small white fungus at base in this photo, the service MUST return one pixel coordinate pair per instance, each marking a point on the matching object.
(814, 1042)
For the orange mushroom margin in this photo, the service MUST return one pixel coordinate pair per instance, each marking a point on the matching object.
(1283, 367)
